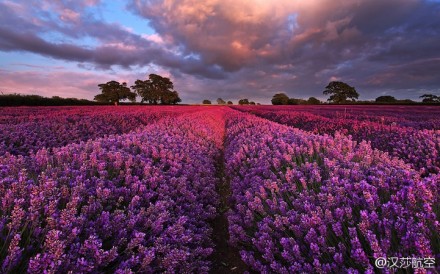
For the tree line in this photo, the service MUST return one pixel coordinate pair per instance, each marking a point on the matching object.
(154, 90)
(220, 101)
(160, 90)
(343, 93)
(17, 99)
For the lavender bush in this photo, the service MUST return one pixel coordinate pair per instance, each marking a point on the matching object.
(418, 147)
(417, 117)
(311, 203)
(132, 190)
(137, 202)
(29, 129)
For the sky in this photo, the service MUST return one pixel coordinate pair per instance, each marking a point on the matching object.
(231, 49)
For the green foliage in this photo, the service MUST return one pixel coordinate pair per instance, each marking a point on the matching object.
(146, 92)
(156, 89)
(243, 102)
(113, 92)
(230, 103)
(252, 103)
(406, 101)
(220, 101)
(313, 101)
(430, 98)
(283, 99)
(206, 102)
(294, 101)
(340, 92)
(280, 99)
(170, 98)
(386, 99)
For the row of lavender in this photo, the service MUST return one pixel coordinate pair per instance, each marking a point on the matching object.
(417, 117)
(419, 148)
(18, 115)
(137, 202)
(23, 130)
(310, 203)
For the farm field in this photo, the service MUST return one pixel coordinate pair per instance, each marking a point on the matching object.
(300, 189)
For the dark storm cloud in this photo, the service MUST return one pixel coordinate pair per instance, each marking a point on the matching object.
(371, 44)
(117, 46)
(105, 56)
(12, 41)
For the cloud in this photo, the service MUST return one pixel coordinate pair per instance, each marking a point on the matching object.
(246, 48)
(51, 83)
(231, 34)
(62, 81)
(117, 46)
(344, 39)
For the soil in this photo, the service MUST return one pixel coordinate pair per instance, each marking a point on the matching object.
(225, 258)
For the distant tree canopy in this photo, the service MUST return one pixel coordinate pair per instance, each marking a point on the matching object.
(243, 102)
(295, 101)
(206, 102)
(386, 99)
(406, 101)
(17, 99)
(283, 99)
(156, 89)
(252, 103)
(313, 101)
(280, 99)
(113, 92)
(220, 101)
(430, 98)
(170, 98)
(340, 92)
(230, 103)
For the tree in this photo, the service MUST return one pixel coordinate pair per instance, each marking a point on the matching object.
(243, 102)
(230, 103)
(292, 101)
(313, 101)
(339, 92)
(220, 101)
(430, 98)
(113, 92)
(406, 101)
(386, 99)
(252, 103)
(206, 102)
(280, 99)
(157, 89)
(146, 91)
(295, 101)
(170, 98)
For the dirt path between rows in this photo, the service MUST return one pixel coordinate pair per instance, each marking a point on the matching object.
(225, 258)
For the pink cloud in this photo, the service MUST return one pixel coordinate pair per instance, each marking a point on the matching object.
(55, 82)
(70, 16)
(229, 33)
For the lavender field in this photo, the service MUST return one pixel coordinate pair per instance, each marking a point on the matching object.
(301, 189)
